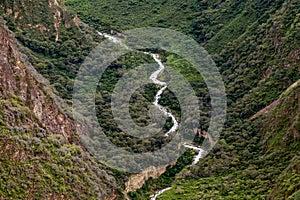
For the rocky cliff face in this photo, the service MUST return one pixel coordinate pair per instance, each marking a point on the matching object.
(136, 181)
(19, 79)
(40, 155)
(25, 15)
(55, 41)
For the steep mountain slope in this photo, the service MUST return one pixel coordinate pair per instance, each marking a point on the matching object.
(275, 172)
(256, 46)
(281, 128)
(19, 80)
(56, 41)
(254, 43)
(257, 67)
(52, 12)
(124, 15)
(40, 154)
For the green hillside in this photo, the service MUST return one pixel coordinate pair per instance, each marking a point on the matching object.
(273, 173)
(41, 156)
(55, 41)
(124, 15)
(255, 45)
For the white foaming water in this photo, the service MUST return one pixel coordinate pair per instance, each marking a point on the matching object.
(155, 74)
(199, 155)
(164, 85)
(115, 40)
(196, 160)
(153, 197)
(153, 77)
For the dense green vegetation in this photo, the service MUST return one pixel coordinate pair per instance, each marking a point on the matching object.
(58, 61)
(142, 100)
(152, 185)
(138, 109)
(246, 39)
(35, 164)
(57, 169)
(124, 15)
(274, 173)
(255, 44)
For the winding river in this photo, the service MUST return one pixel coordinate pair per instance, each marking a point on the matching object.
(164, 86)
(154, 78)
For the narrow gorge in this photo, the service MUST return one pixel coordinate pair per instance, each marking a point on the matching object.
(136, 181)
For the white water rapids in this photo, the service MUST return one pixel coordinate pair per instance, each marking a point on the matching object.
(153, 197)
(154, 78)
(199, 155)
